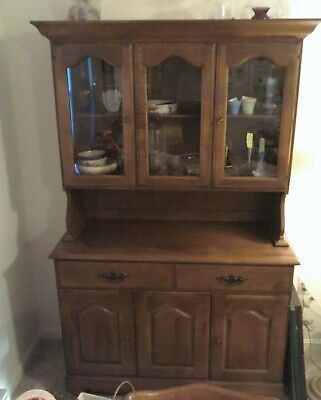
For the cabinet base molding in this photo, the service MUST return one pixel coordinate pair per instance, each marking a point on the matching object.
(107, 385)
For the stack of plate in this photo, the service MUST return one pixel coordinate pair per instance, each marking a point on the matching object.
(95, 162)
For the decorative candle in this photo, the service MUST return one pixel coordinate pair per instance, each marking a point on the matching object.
(249, 140)
(262, 145)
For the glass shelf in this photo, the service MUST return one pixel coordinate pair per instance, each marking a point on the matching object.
(255, 116)
(173, 116)
(99, 115)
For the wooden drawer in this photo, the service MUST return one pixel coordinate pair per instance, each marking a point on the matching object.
(114, 275)
(234, 278)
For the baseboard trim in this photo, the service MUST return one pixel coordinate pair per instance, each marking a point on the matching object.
(108, 384)
(313, 341)
(51, 334)
(17, 376)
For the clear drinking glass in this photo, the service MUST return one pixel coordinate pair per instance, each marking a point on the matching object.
(112, 99)
(223, 9)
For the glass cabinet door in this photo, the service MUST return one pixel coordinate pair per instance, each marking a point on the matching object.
(254, 115)
(97, 118)
(174, 93)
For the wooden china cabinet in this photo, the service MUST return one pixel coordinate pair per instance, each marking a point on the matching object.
(174, 267)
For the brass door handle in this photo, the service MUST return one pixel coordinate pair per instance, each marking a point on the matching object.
(113, 276)
(220, 120)
(231, 280)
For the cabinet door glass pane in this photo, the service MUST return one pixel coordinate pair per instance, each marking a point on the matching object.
(254, 107)
(174, 110)
(95, 104)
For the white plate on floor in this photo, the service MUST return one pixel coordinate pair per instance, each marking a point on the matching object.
(36, 394)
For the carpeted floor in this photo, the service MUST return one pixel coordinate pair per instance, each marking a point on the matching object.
(45, 370)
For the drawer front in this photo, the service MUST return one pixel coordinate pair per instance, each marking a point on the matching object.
(113, 275)
(234, 278)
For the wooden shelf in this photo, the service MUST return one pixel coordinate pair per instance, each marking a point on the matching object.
(99, 115)
(176, 241)
(254, 116)
(173, 116)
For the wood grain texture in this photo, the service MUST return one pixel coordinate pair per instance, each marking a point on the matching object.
(75, 216)
(194, 392)
(175, 280)
(176, 241)
(173, 334)
(278, 221)
(257, 278)
(199, 55)
(99, 333)
(77, 384)
(64, 56)
(174, 31)
(281, 54)
(90, 275)
(261, 323)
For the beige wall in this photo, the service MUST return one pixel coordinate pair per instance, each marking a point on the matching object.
(31, 201)
(32, 204)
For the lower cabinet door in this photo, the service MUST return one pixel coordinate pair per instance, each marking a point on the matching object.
(173, 334)
(99, 332)
(248, 337)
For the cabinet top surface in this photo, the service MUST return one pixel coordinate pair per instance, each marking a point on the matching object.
(176, 242)
(193, 30)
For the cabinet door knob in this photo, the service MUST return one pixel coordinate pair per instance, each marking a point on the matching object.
(231, 280)
(220, 120)
(113, 276)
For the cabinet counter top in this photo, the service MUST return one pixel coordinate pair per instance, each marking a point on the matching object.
(175, 242)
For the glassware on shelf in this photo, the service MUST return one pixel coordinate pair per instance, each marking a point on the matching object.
(83, 10)
(112, 98)
(91, 127)
(234, 106)
(260, 84)
(173, 112)
(248, 104)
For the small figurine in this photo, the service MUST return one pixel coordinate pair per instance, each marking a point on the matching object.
(83, 11)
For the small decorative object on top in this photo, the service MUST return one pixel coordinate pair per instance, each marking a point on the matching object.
(224, 9)
(83, 10)
(260, 12)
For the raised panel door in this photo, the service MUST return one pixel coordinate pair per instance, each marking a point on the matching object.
(248, 337)
(174, 109)
(256, 95)
(99, 332)
(173, 334)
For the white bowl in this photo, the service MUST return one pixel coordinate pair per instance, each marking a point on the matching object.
(91, 154)
(162, 106)
(93, 163)
(98, 170)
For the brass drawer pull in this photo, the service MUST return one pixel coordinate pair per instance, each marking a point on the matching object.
(231, 280)
(113, 276)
